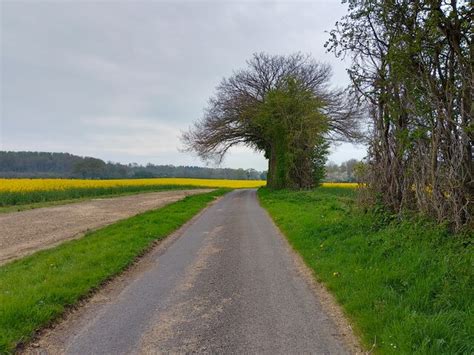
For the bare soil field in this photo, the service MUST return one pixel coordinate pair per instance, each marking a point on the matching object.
(23, 233)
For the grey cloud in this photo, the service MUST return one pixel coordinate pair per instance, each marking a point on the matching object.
(120, 80)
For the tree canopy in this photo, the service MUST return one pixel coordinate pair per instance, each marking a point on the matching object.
(281, 106)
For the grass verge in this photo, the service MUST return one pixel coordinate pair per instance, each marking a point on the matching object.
(407, 287)
(37, 289)
(32, 198)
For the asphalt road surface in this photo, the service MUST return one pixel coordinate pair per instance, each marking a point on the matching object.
(228, 284)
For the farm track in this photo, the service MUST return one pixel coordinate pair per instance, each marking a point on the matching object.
(23, 233)
(227, 282)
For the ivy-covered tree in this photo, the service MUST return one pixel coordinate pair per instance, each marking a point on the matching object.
(292, 124)
(281, 106)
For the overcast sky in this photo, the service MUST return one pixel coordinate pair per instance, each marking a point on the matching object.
(120, 80)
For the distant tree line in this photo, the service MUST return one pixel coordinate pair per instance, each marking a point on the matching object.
(65, 165)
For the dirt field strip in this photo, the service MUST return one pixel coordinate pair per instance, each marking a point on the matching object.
(23, 233)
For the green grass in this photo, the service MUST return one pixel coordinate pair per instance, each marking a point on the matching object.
(37, 289)
(9, 199)
(407, 287)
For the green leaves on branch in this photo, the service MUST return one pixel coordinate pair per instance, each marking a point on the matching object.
(292, 122)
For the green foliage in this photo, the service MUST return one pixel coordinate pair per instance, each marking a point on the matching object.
(89, 168)
(320, 154)
(360, 171)
(37, 289)
(291, 121)
(406, 287)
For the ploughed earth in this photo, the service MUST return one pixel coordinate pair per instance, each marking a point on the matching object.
(25, 232)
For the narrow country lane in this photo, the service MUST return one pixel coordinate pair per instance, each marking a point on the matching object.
(228, 284)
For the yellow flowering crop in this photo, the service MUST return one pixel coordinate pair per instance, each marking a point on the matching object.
(26, 185)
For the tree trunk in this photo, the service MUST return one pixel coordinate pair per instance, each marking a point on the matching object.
(270, 171)
(277, 177)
